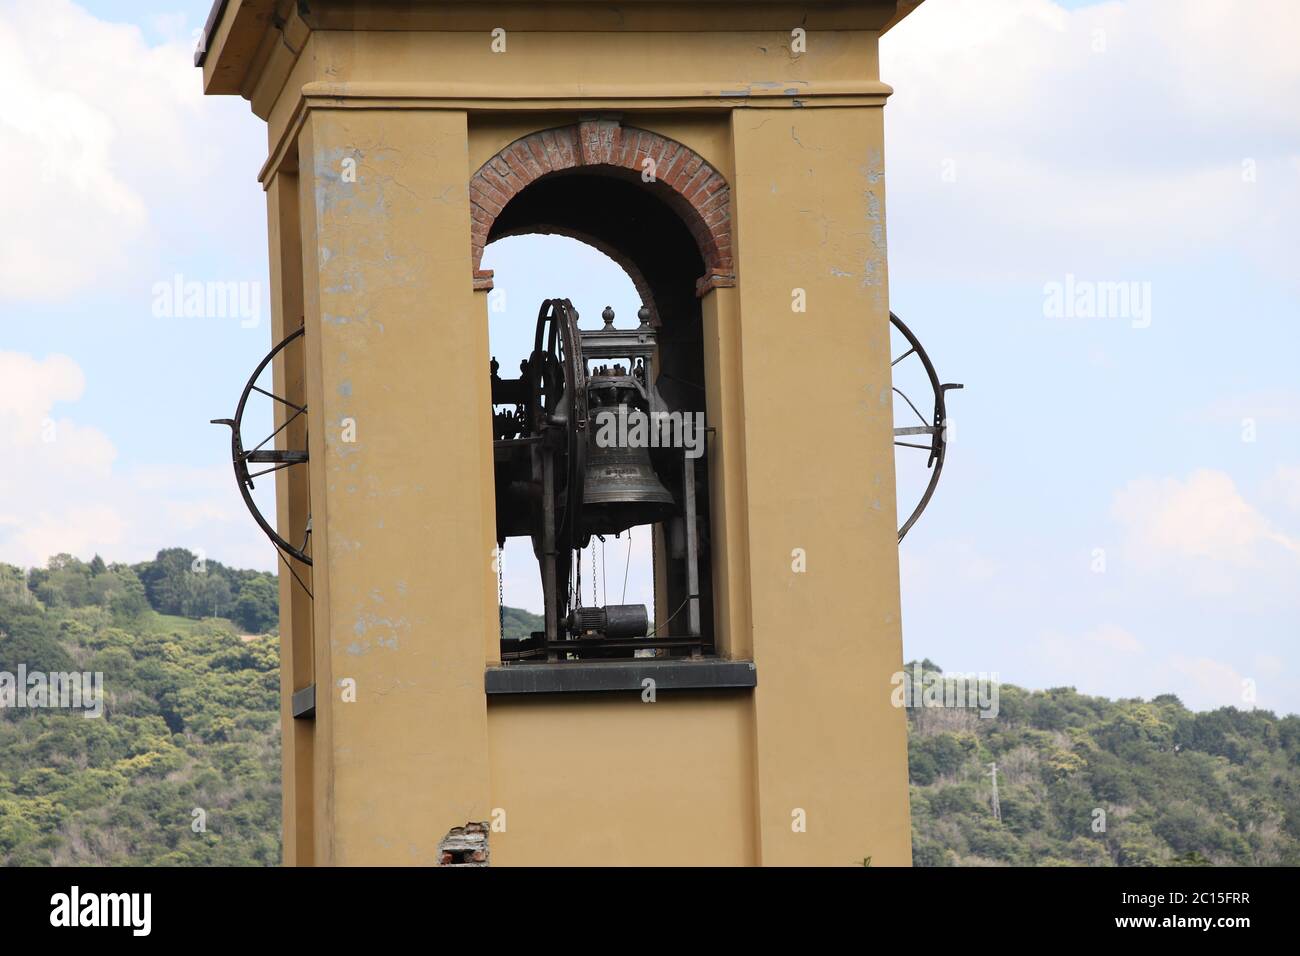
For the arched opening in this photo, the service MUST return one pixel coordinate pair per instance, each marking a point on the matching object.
(636, 250)
(528, 269)
(651, 244)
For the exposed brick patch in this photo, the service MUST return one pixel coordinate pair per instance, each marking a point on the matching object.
(465, 846)
(698, 193)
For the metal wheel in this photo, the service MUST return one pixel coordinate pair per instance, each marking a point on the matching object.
(246, 460)
(560, 403)
(929, 434)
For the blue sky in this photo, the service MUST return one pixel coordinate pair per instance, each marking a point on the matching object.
(1121, 510)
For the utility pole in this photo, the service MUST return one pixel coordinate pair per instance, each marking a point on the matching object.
(997, 807)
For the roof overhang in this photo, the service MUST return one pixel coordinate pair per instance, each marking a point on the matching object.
(237, 30)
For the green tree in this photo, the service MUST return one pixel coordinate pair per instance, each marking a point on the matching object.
(165, 578)
(258, 608)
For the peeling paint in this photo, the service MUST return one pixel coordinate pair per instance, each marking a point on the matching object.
(875, 169)
(383, 631)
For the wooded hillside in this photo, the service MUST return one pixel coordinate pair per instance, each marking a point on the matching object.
(183, 766)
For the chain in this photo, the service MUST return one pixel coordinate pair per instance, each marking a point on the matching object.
(501, 588)
(595, 601)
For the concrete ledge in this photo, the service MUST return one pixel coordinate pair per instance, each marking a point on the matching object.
(578, 677)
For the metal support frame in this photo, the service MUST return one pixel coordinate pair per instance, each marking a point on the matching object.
(549, 597)
(692, 553)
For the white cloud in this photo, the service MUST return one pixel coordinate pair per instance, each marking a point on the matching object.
(1113, 135)
(63, 492)
(118, 173)
(30, 385)
(1124, 154)
(68, 528)
(109, 151)
(1204, 517)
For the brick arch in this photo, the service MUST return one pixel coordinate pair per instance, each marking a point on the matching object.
(695, 190)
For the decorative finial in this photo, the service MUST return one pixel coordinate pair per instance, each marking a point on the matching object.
(643, 314)
(608, 316)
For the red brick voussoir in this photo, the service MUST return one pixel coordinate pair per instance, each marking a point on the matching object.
(696, 191)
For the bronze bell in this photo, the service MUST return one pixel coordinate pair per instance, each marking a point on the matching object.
(621, 489)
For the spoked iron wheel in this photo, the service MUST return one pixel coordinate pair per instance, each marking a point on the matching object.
(557, 414)
(260, 460)
(559, 402)
(920, 424)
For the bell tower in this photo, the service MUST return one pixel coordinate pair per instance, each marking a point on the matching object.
(729, 156)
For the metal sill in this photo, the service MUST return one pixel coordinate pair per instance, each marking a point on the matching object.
(303, 703)
(583, 677)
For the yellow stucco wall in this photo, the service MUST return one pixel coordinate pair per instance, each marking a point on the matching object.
(401, 534)
(613, 780)
(403, 517)
(818, 440)
(292, 505)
